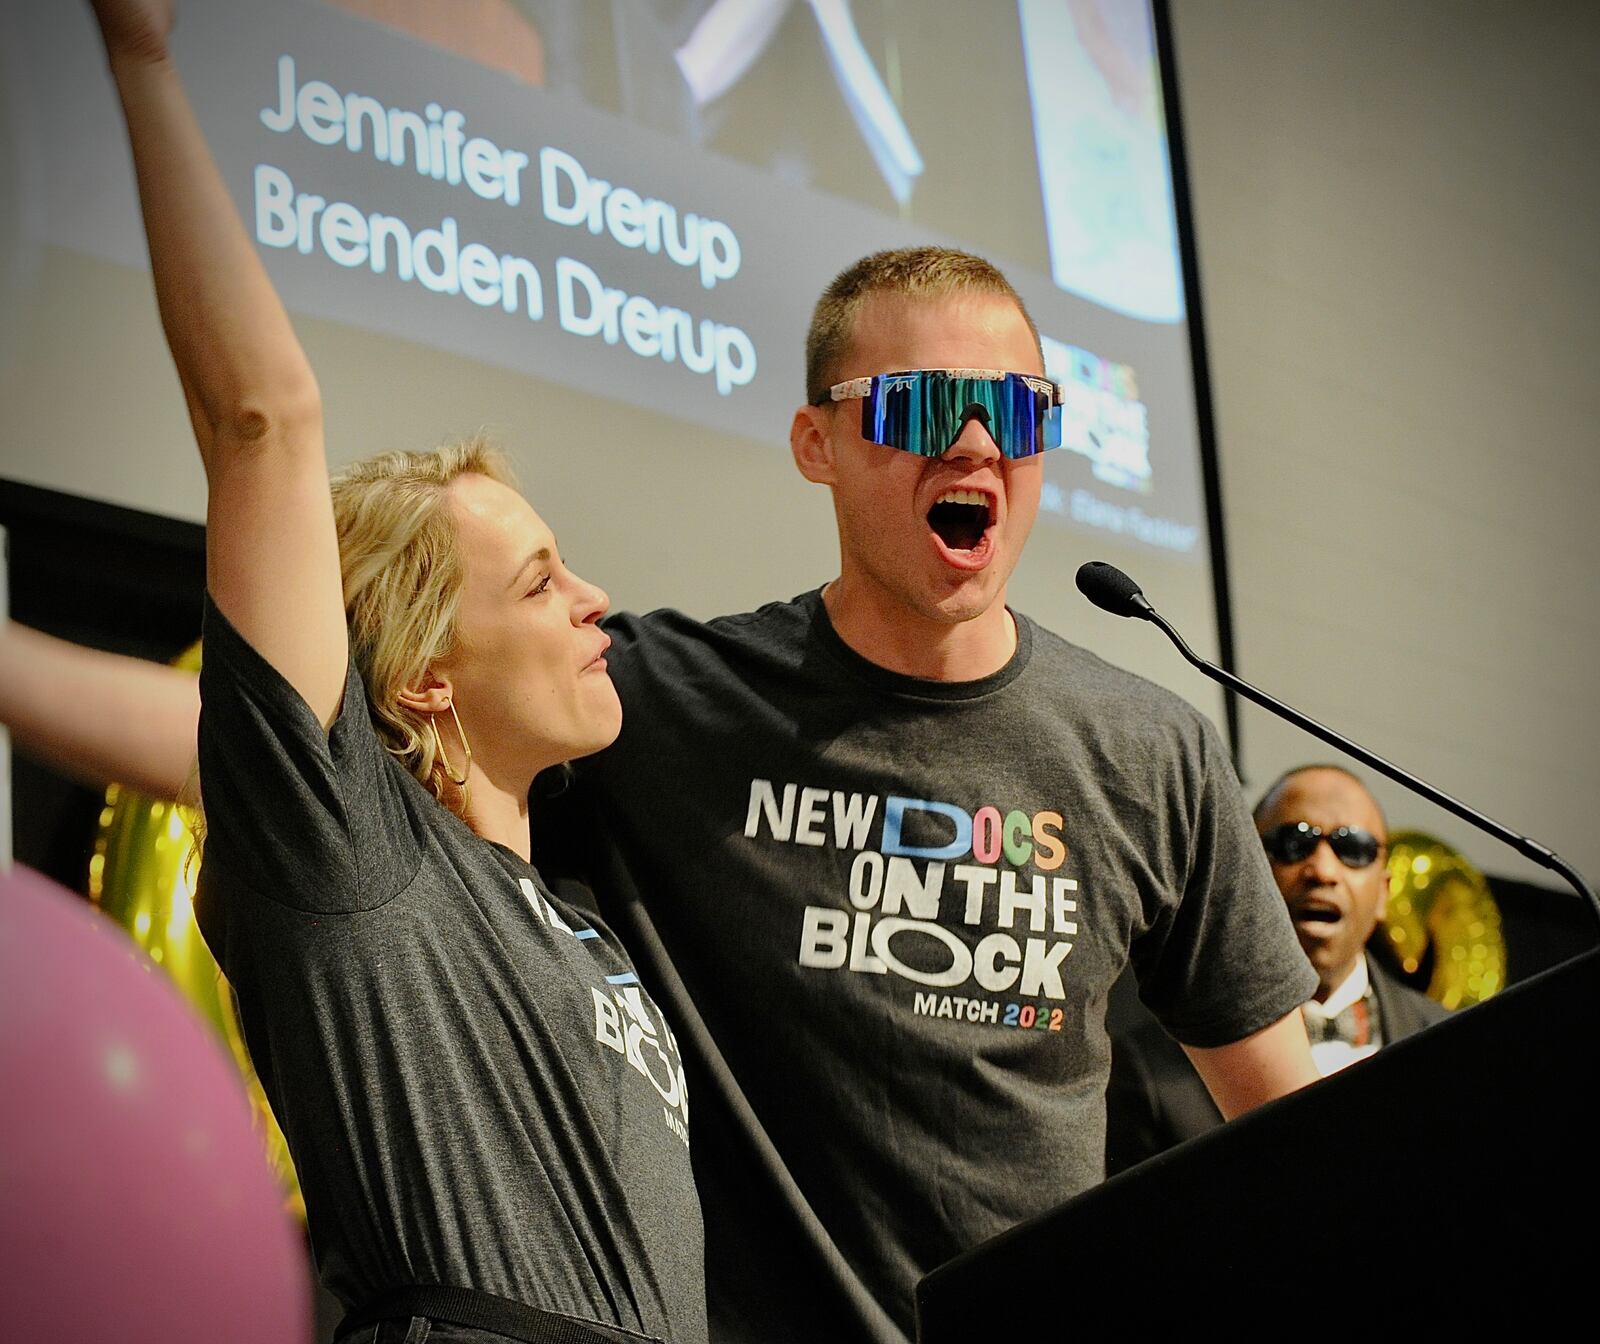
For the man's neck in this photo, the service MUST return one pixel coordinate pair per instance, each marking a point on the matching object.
(1349, 987)
(883, 632)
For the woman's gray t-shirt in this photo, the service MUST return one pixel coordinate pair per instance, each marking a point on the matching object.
(474, 1087)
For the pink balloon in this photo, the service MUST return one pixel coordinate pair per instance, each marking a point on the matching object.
(136, 1203)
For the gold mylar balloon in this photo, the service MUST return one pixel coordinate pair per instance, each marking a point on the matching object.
(142, 875)
(1438, 899)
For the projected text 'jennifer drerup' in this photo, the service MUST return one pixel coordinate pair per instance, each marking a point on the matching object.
(434, 143)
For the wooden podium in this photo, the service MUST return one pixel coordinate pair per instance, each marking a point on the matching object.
(1450, 1182)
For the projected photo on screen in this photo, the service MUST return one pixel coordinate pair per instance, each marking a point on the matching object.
(641, 201)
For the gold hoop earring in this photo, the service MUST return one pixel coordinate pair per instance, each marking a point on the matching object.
(460, 781)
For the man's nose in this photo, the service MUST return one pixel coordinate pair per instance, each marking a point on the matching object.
(1325, 863)
(974, 443)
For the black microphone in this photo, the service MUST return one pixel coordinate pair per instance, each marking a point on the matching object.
(1112, 590)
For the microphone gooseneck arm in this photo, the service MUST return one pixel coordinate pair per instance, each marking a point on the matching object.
(1131, 602)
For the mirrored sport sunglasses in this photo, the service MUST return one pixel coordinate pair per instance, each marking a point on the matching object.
(923, 410)
(1295, 841)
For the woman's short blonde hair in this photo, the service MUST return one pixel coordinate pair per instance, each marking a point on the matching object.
(402, 577)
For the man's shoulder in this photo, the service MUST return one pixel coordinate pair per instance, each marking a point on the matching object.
(663, 656)
(1102, 686)
(667, 627)
(1408, 1009)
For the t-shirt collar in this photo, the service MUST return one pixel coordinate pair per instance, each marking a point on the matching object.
(881, 678)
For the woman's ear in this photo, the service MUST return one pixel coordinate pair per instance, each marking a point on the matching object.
(430, 695)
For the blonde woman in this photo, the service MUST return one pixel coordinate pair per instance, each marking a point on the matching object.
(485, 1111)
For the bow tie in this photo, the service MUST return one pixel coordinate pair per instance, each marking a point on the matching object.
(1356, 1025)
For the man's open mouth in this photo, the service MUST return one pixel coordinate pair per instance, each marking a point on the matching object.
(960, 518)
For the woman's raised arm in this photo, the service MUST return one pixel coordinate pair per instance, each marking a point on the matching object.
(272, 561)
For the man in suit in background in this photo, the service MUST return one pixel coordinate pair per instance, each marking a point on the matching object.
(1327, 843)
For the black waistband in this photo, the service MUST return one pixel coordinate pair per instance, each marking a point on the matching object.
(484, 1311)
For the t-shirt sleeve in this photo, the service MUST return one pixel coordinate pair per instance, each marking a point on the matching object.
(1224, 962)
(315, 820)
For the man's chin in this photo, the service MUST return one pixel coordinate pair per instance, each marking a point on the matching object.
(1322, 956)
(970, 596)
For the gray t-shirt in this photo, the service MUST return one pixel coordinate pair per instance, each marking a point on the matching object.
(473, 1085)
(887, 913)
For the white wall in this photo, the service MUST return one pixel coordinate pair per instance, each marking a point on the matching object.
(1396, 206)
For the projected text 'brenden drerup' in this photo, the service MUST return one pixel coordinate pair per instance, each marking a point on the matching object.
(434, 143)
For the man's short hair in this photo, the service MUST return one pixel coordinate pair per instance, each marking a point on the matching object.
(914, 272)
(1264, 804)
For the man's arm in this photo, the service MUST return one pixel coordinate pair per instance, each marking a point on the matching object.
(1263, 1066)
(99, 717)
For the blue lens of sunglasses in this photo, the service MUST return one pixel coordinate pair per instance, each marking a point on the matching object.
(924, 410)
